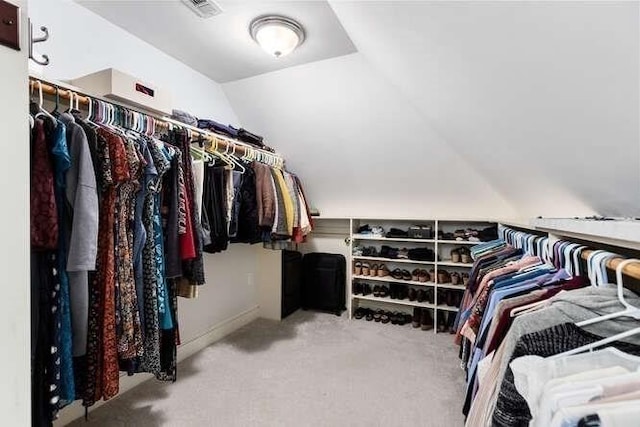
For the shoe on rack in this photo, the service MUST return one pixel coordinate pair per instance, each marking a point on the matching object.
(401, 319)
(432, 276)
(459, 235)
(357, 268)
(426, 321)
(442, 325)
(384, 317)
(465, 279)
(423, 276)
(412, 294)
(455, 255)
(406, 275)
(360, 313)
(383, 271)
(356, 288)
(403, 292)
(369, 315)
(443, 276)
(417, 316)
(455, 278)
(429, 293)
(374, 270)
(377, 316)
(415, 275)
(384, 291)
(450, 298)
(357, 250)
(364, 229)
(376, 291)
(403, 253)
(365, 268)
(393, 291)
(465, 256)
(451, 318)
(397, 274)
(422, 295)
(366, 289)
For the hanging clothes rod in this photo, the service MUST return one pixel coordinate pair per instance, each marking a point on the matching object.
(631, 270)
(215, 141)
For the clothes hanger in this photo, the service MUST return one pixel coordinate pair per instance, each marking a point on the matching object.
(41, 110)
(629, 310)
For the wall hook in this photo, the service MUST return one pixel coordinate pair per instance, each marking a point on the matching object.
(34, 40)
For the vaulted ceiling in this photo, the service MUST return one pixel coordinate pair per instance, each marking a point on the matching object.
(463, 109)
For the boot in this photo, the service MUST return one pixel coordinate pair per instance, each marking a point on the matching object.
(426, 322)
(415, 321)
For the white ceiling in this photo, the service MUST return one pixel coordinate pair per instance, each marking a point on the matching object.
(220, 47)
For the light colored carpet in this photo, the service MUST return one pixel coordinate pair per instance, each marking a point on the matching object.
(312, 369)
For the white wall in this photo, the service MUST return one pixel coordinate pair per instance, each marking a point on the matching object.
(360, 148)
(543, 98)
(82, 42)
(466, 109)
(15, 388)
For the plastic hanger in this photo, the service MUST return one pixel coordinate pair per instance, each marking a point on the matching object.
(629, 310)
(41, 110)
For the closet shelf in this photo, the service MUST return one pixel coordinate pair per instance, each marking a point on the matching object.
(459, 242)
(390, 239)
(395, 301)
(450, 286)
(454, 264)
(390, 279)
(447, 307)
(405, 261)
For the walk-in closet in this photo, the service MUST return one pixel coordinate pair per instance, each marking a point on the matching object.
(320, 213)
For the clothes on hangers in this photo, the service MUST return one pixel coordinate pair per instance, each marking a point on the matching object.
(494, 386)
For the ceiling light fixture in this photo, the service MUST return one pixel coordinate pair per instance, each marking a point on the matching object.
(277, 35)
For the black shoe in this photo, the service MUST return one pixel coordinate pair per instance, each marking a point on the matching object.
(415, 320)
(412, 294)
(393, 291)
(426, 322)
(384, 292)
(357, 288)
(366, 289)
(360, 313)
(369, 315)
(422, 295)
(376, 291)
(402, 292)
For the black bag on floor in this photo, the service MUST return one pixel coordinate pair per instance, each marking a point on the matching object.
(323, 287)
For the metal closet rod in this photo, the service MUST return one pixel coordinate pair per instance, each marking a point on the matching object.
(221, 142)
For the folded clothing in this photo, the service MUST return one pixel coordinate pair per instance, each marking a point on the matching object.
(218, 127)
(184, 117)
(396, 232)
(488, 234)
(422, 254)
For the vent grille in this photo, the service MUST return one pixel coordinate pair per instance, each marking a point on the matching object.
(203, 8)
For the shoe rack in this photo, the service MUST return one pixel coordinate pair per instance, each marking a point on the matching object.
(449, 250)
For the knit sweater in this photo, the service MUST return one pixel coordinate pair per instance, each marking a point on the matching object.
(511, 408)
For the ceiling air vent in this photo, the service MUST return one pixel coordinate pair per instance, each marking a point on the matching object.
(204, 8)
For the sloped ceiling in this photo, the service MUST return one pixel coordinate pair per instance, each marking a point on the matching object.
(467, 108)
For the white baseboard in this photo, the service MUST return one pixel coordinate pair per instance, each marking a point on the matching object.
(216, 333)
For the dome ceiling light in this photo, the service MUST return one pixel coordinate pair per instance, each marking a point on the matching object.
(277, 35)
